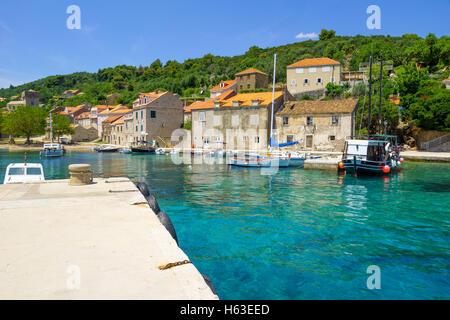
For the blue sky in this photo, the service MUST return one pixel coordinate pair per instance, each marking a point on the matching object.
(35, 42)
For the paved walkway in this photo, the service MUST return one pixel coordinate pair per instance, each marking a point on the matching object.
(426, 156)
(98, 241)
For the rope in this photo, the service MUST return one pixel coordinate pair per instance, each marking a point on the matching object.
(173, 264)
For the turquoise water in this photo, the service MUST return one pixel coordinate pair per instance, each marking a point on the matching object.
(298, 234)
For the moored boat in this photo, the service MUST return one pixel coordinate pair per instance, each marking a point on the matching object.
(50, 150)
(24, 172)
(144, 147)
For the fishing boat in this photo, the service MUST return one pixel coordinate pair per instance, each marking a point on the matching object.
(108, 149)
(160, 151)
(144, 147)
(374, 153)
(249, 160)
(51, 150)
(24, 172)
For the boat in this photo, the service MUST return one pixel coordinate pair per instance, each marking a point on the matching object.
(255, 161)
(108, 149)
(24, 172)
(377, 154)
(51, 150)
(160, 151)
(297, 159)
(125, 151)
(372, 153)
(144, 147)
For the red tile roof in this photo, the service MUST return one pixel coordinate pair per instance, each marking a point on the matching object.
(313, 62)
(210, 103)
(83, 115)
(246, 99)
(250, 70)
(111, 119)
(226, 84)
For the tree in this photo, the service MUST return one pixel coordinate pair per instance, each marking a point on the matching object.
(25, 120)
(334, 90)
(61, 125)
(327, 34)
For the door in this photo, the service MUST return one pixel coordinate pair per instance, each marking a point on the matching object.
(309, 141)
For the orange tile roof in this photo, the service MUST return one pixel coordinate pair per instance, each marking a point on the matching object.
(313, 62)
(75, 109)
(116, 109)
(101, 107)
(111, 119)
(250, 70)
(118, 121)
(227, 83)
(448, 79)
(210, 103)
(62, 113)
(245, 99)
(83, 115)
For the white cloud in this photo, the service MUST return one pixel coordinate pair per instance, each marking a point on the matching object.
(310, 35)
(5, 83)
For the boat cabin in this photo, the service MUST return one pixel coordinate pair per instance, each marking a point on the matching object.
(371, 150)
(23, 173)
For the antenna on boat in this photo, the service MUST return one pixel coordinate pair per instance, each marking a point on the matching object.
(51, 128)
(273, 96)
(370, 95)
(381, 86)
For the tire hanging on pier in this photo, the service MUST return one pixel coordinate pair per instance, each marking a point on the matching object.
(151, 200)
(167, 223)
(143, 188)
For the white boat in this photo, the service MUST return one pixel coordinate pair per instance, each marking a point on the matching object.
(159, 151)
(52, 150)
(373, 155)
(125, 151)
(23, 173)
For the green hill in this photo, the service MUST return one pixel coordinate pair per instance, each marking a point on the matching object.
(197, 75)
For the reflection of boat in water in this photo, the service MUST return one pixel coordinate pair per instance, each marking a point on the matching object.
(50, 150)
(144, 147)
(24, 172)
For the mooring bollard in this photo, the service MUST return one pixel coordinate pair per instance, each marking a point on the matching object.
(80, 174)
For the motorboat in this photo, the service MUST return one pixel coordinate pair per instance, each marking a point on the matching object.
(24, 173)
(50, 150)
(108, 149)
(125, 151)
(377, 154)
(144, 147)
(160, 151)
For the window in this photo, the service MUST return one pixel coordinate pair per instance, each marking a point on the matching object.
(325, 69)
(299, 70)
(289, 138)
(309, 141)
(136, 115)
(305, 81)
(319, 80)
(240, 87)
(201, 116)
(248, 86)
(136, 128)
(331, 138)
(309, 121)
(235, 120)
(256, 139)
(285, 120)
(34, 171)
(142, 114)
(245, 138)
(142, 128)
(335, 120)
(152, 114)
(312, 70)
(254, 119)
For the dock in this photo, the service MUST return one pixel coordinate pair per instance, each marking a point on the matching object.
(95, 241)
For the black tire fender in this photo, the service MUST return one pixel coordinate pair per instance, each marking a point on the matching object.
(143, 188)
(153, 204)
(167, 223)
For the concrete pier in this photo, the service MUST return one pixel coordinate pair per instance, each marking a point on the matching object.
(96, 241)
(329, 164)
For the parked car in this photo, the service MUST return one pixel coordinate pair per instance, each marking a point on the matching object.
(64, 140)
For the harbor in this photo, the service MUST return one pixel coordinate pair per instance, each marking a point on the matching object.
(311, 228)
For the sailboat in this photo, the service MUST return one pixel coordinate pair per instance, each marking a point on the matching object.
(377, 153)
(51, 149)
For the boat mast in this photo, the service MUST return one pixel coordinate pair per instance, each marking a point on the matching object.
(51, 128)
(381, 86)
(370, 95)
(273, 95)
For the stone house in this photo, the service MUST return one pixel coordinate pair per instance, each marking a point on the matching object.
(118, 110)
(222, 87)
(107, 128)
(83, 119)
(156, 115)
(29, 97)
(95, 110)
(239, 122)
(118, 135)
(311, 76)
(251, 79)
(317, 125)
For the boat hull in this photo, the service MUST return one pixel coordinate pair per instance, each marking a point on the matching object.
(366, 167)
(139, 150)
(52, 153)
